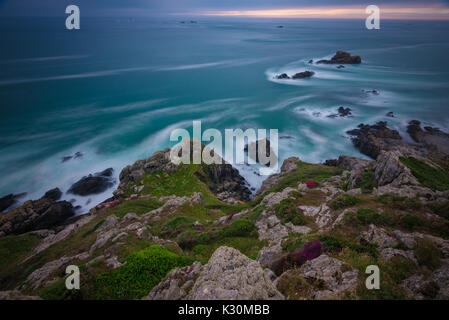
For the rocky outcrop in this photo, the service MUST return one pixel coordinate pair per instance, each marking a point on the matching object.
(93, 183)
(432, 138)
(331, 272)
(230, 275)
(342, 57)
(16, 295)
(9, 200)
(372, 139)
(341, 112)
(289, 165)
(299, 75)
(388, 169)
(35, 215)
(53, 194)
(177, 284)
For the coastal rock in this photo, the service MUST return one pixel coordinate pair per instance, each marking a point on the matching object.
(342, 112)
(35, 215)
(388, 169)
(177, 284)
(433, 138)
(331, 273)
(282, 76)
(302, 75)
(342, 57)
(9, 200)
(53, 194)
(268, 255)
(230, 275)
(372, 139)
(93, 184)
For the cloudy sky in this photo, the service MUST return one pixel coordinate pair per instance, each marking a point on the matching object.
(401, 9)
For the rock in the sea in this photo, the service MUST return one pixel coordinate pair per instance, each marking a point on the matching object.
(433, 138)
(9, 200)
(342, 57)
(53, 194)
(75, 156)
(93, 183)
(282, 76)
(371, 139)
(302, 75)
(35, 215)
(230, 275)
(342, 112)
(390, 114)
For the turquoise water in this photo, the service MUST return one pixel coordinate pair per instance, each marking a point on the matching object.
(115, 89)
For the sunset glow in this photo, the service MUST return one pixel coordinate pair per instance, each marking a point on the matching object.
(434, 13)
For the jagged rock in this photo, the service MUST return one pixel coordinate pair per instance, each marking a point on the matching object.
(352, 163)
(321, 214)
(330, 272)
(302, 75)
(230, 275)
(270, 228)
(388, 253)
(276, 197)
(342, 112)
(406, 239)
(342, 57)
(103, 238)
(171, 204)
(282, 76)
(36, 278)
(177, 284)
(113, 262)
(93, 184)
(8, 201)
(16, 295)
(267, 255)
(61, 235)
(53, 194)
(44, 233)
(379, 236)
(131, 216)
(35, 215)
(433, 138)
(289, 165)
(389, 169)
(110, 221)
(371, 139)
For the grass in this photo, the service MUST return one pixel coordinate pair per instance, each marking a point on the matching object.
(428, 254)
(12, 250)
(306, 172)
(138, 206)
(367, 182)
(400, 203)
(286, 211)
(241, 228)
(143, 270)
(367, 217)
(431, 177)
(337, 244)
(344, 201)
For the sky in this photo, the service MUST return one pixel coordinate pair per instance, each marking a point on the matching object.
(390, 9)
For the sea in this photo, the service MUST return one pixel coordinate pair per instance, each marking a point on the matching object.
(115, 89)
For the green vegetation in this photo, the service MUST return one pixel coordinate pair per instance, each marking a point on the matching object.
(411, 222)
(138, 206)
(344, 201)
(429, 176)
(367, 217)
(143, 270)
(241, 228)
(400, 203)
(336, 244)
(428, 254)
(306, 172)
(367, 183)
(286, 211)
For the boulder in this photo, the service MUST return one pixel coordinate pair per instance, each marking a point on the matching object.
(379, 236)
(389, 169)
(342, 57)
(372, 139)
(230, 275)
(35, 215)
(53, 194)
(302, 75)
(93, 183)
(342, 112)
(433, 138)
(331, 273)
(9, 200)
(282, 76)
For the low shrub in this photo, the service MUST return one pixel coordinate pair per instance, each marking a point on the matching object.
(286, 211)
(241, 228)
(428, 254)
(143, 270)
